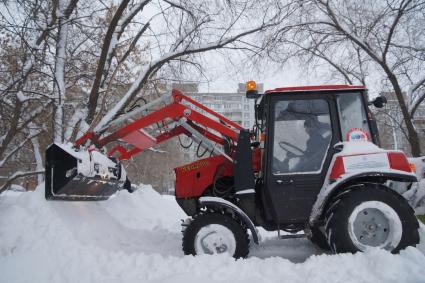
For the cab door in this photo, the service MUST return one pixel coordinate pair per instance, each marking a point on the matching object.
(300, 139)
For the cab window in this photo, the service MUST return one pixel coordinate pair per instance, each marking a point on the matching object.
(302, 135)
(352, 114)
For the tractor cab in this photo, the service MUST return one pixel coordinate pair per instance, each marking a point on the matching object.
(303, 126)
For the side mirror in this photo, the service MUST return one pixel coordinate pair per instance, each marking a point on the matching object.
(380, 101)
(339, 146)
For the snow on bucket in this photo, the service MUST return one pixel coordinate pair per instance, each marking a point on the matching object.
(81, 175)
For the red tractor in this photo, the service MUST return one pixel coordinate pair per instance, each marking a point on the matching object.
(311, 163)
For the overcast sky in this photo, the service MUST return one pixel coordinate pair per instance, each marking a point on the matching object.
(224, 77)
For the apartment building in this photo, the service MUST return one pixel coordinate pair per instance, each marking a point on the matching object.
(233, 105)
(391, 125)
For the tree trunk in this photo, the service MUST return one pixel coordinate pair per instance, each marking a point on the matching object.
(38, 158)
(100, 71)
(413, 135)
(59, 86)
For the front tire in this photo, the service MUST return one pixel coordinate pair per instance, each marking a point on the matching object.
(371, 216)
(215, 233)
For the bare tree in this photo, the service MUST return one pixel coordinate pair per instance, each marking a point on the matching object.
(81, 65)
(64, 9)
(354, 37)
(24, 93)
(190, 29)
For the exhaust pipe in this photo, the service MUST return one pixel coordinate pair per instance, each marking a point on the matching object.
(73, 175)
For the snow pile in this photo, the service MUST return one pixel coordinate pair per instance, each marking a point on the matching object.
(136, 238)
(416, 195)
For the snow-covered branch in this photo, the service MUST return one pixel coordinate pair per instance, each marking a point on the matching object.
(122, 24)
(156, 64)
(16, 148)
(59, 86)
(345, 30)
(114, 32)
(37, 153)
(18, 175)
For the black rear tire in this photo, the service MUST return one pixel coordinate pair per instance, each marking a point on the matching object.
(227, 222)
(354, 219)
(319, 239)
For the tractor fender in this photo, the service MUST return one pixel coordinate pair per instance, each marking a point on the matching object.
(329, 190)
(219, 202)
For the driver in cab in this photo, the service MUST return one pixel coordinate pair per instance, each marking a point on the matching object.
(316, 145)
(316, 138)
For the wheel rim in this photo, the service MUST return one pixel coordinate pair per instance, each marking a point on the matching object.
(375, 224)
(215, 239)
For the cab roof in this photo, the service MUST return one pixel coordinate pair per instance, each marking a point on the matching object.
(315, 88)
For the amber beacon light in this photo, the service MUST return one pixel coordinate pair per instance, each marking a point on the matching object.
(251, 90)
(251, 85)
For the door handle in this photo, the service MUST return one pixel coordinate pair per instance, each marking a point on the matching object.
(280, 182)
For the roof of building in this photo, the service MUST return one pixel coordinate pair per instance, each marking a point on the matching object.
(315, 88)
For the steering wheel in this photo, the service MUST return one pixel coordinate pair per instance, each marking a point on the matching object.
(291, 149)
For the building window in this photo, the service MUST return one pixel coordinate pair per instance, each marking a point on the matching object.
(246, 115)
(246, 124)
(246, 107)
(227, 106)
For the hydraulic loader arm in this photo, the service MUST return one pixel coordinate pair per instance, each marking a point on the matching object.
(173, 119)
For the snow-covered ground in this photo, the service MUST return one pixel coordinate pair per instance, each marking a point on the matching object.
(136, 238)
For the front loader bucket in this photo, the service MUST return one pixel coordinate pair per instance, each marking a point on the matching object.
(74, 176)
